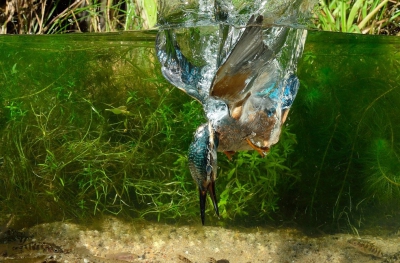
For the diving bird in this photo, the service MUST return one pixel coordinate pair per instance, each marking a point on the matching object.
(246, 101)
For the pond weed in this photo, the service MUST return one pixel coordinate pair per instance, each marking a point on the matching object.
(111, 137)
(250, 184)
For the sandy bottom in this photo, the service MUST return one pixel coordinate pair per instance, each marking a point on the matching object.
(118, 241)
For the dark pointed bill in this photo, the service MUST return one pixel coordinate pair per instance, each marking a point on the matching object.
(203, 198)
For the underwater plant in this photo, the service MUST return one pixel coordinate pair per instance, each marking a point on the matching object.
(253, 184)
(383, 177)
(345, 121)
(76, 155)
(112, 138)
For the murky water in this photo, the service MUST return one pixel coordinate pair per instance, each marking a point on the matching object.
(352, 171)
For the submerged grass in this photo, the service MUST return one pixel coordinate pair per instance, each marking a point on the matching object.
(73, 155)
(251, 184)
(99, 135)
(346, 118)
(384, 177)
(111, 136)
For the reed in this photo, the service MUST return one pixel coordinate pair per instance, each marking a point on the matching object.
(60, 16)
(358, 16)
(49, 17)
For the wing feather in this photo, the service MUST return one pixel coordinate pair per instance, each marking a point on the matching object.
(242, 64)
(243, 74)
(175, 67)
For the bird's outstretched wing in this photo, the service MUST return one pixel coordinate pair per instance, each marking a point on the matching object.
(243, 72)
(175, 67)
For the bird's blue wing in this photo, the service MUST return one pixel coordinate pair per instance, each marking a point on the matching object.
(175, 67)
(291, 86)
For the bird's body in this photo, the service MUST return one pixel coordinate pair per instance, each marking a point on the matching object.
(246, 102)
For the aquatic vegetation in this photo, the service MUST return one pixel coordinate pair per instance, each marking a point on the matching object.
(344, 119)
(252, 183)
(112, 137)
(72, 156)
(383, 180)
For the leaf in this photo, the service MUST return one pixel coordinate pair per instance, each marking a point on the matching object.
(231, 172)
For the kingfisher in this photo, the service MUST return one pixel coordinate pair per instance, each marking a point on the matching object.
(246, 101)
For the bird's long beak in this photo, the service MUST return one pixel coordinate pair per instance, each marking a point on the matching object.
(203, 198)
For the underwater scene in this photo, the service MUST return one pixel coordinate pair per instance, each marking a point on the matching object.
(96, 130)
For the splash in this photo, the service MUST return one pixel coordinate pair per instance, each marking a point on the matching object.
(242, 73)
(192, 13)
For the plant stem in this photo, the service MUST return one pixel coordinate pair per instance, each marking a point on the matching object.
(362, 24)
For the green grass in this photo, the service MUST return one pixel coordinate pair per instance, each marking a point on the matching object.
(63, 16)
(358, 16)
(51, 17)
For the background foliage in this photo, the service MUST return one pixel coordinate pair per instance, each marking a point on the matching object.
(359, 16)
(63, 16)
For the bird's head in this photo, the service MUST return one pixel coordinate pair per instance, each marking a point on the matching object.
(203, 164)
